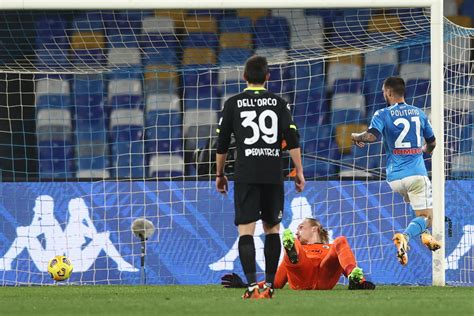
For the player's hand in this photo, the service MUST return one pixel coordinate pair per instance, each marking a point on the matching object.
(356, 141)
(424, 149)
(232, 281)
(222, 184)
(299, 181)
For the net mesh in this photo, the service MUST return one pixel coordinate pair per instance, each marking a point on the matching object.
(101, 102)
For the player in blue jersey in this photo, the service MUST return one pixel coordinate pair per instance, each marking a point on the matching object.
(402, 127)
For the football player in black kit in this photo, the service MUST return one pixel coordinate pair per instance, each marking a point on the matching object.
(260, 121)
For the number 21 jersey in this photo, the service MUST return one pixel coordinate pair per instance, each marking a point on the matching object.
(257, 118)
(403, 127)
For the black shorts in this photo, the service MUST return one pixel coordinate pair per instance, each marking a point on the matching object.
(254, 201)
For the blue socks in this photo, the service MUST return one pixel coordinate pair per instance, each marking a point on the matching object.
(416, 227)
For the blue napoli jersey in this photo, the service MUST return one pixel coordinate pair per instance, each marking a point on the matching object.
(402, 127)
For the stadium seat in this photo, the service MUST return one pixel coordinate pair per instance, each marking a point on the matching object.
(81, 40)
(53, 124)
(125, 93)
(347, 108)
(156, 25)
(162, 102)
(126, 135)
(414, 54)
(415, 71)
(56, 159)
(320, 152)
(349, 31)
(459, 49)
(347, 86)
(52, 93)
(235, 40)
(161, 79)
(176, 15)
(234, 56)
(450, 7)
(93, 174)
(374, 76)
(199, 56)
(166, 166)
(51, 29)
(417, 93)
(307, 32)
(236, 25)
(306, 76)
(253, 14)
(163, 131)
(467, 9)
(309, 109)
(382, 56)
(343, 135)
(198, 127)
(272, 32)
(381, 23)
(462, 166)
(231, 81)
(342, 71)
(124, 57)
(200, 89)
(200, 24)
(201, 40)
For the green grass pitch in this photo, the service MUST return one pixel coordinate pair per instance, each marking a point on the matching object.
(214, 300)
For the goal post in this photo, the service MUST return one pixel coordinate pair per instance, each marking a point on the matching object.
(436, 67)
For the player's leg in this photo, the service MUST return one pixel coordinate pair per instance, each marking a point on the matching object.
(247, 213)
(400, 240)
(419, 191)
(272, 200)
(300, 272)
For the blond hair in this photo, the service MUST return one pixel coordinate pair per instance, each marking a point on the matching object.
(323, 233)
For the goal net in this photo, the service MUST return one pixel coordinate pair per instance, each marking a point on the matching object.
(110, 116)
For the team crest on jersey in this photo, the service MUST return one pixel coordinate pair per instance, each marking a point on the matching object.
(325, 246)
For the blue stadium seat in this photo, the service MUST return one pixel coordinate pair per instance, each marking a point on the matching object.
(417, 93)
(234, 56)
(236, 25)
(218, 14)
(126, 93)
(159, 56)
(349, 31)
(309, 109)
(88, 84)
(462, 166)
(272, 32)
(206, 40)
(347, 86)
(415, 54)
(56, 159)
(374, 76)
(306, 76)
(92, 163)
(201, 98)
(467, 9)
(51, 29)
(126, 137)
(456, 77)
(90, 21)
(329, 15)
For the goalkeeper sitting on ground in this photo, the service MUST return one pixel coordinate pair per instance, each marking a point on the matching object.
(311, 262)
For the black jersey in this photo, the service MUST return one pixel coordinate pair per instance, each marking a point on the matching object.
(258, 119)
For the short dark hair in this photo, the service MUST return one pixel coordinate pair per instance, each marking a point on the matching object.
(396, 84)
(256, 69)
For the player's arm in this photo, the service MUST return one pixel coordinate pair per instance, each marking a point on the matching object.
(224, 132)
(292, 139)
(372, 134)
(429, 136)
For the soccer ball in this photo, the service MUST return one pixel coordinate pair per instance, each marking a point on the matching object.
(60, 268)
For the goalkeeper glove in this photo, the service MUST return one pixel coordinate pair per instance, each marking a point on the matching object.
(232, 281)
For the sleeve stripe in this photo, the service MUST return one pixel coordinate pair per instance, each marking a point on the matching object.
(293, 126)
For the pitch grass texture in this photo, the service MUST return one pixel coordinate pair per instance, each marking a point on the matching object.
(214, 300)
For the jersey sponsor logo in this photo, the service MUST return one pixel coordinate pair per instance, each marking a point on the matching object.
(314, 250)
(256, 102)
(259, 152)
(409, 151)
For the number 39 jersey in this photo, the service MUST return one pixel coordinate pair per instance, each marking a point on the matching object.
(258, 119)
(402, 127)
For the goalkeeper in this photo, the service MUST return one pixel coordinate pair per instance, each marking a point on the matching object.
(311, 262)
